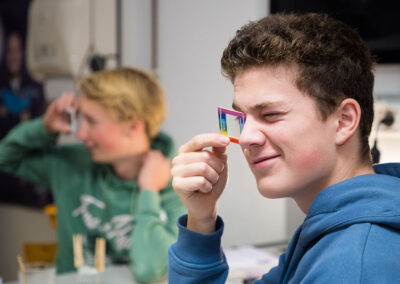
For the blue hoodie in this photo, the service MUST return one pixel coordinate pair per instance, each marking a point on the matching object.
(351, 234)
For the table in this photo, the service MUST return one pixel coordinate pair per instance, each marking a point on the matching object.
(120, 274)
(250, 262)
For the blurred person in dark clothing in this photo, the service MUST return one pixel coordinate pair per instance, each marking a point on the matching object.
(21, 98)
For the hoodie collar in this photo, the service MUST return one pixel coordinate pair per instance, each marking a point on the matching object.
(371, 198)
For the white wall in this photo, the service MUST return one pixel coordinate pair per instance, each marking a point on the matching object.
(387, 80)
(387, 86)
(136, 33)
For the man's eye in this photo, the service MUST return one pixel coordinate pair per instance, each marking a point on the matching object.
(271, 114)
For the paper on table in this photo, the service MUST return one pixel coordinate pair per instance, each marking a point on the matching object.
(249, 261)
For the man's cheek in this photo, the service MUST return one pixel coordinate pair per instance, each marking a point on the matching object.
(311, 159)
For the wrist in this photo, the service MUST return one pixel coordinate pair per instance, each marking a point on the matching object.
(203, 225)
(48, 129)
(149, 188)
(148, 202)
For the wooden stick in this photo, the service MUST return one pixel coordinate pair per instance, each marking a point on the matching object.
(22, 269)
(78, 252)
(100, 254)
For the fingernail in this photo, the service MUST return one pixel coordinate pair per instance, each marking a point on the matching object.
(224, 139)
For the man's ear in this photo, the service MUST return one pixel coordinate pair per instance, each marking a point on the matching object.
(348, 115)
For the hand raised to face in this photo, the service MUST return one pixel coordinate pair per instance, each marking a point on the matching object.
(56, 119)
(199, 178)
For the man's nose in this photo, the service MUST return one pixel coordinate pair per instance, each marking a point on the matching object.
(251, 134)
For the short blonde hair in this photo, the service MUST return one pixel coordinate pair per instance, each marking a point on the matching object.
(128, 93)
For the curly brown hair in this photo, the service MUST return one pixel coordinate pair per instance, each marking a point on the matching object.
(330, 60)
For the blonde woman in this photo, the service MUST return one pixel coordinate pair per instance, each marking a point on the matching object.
(117, 185)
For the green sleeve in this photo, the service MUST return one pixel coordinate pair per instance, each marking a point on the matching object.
(23, 152)
(153, 234)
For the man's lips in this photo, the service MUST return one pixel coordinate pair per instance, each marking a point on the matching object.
(260, 161)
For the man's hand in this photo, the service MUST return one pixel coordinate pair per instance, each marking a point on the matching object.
(199, 178)
(56, 119)
(155, 171)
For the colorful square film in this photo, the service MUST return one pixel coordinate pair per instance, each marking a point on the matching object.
(231, 123)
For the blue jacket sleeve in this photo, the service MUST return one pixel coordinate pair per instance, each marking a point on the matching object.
(197, 258)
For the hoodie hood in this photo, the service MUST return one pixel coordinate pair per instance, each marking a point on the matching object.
(163, 143)
(372, 198)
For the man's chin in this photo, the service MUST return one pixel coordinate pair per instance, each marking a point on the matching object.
(269, 190)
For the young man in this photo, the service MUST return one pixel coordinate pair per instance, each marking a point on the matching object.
(305, 84)
(116, 186)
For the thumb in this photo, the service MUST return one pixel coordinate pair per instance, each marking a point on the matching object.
(219, 151)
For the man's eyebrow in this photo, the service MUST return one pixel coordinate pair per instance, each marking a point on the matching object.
(258, 107)
(266, 105)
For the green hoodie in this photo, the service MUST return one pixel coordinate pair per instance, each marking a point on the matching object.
(138, 225)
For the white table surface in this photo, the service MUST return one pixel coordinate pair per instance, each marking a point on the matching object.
(122, 275)
(113, 274)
